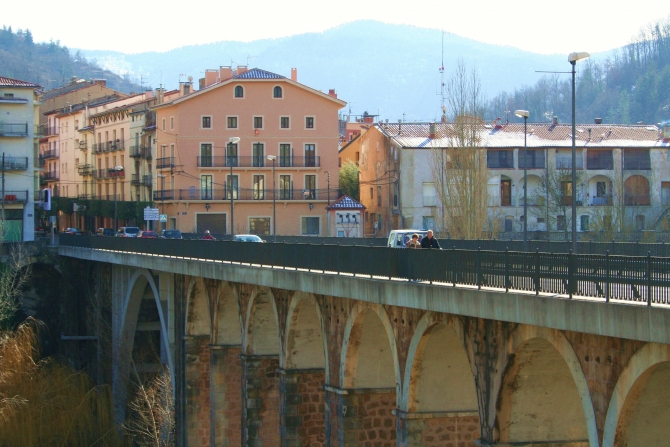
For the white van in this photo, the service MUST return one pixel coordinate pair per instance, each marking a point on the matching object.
(398, 238)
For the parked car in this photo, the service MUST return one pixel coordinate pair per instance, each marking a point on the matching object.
(75, 231)
(170, 234)
(41, 231)
(247, 238)
(128, 232)
(148, 234)
(399, 238)
(109, 232)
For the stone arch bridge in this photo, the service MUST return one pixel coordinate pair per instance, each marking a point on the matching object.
(270, 356)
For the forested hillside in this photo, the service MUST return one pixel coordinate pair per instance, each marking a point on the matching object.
(631, 86)
(50, 64)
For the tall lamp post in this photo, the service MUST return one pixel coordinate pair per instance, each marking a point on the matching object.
(229, 160)
(573, 58)
(524, 114)
(116, 171)
(162, 177)
(274, 200)
(328, 192)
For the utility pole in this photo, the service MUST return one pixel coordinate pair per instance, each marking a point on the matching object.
(2, 235)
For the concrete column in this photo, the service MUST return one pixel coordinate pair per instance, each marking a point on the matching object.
(365, 416)
(197, 390)
(225, 395)
(444, 428)
(260, 418)
(302, 407)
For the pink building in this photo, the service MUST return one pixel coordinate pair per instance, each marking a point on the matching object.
(258, 140)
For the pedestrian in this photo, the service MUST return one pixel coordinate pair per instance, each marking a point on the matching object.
(429, 241)
(414, 242)
(208, 236)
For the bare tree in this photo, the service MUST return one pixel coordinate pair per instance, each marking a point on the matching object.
(459, 170)
(553, 199)
(14, 274)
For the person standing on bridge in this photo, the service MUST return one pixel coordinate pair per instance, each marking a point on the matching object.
(414, 242)
(429, 241)
(208, 236)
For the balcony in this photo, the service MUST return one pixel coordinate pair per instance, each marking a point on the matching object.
(83, 145)
(599, 160)
(534, 159)
(12, 100)
(140, 152)
(51, 153)
(103, 174)
(40, 130)
(165, 163)
(13, 130)
(164, 194)
(16, 197)
(601, 201)
(195, 194)
(497, 159)
(636, 160)
(110, 146)
(85, 169)
(141, 180)
(637, 199)
(51, 130)
(50, 176)
(16, 163)
(257, 162)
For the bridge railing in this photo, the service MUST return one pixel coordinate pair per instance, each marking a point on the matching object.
(631, 278)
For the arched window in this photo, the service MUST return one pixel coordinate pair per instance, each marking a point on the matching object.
(277, 92)
(239, 91)
(636, 191)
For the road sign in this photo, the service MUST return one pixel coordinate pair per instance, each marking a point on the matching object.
(163, 217)
(150, 213)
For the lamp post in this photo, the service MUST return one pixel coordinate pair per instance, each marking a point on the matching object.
(524, 114)
(229, 160)
(274, 200)
(573, 58)
(161, 176)
(328, 192)
(116, 170)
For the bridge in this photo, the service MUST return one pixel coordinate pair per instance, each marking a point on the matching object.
(314, 345)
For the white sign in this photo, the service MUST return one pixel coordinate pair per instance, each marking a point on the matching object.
(163, 218)
(150, 213)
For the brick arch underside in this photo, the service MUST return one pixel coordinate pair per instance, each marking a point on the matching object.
(539, 401)
(638, 413)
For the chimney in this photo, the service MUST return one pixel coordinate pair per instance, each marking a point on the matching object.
(368, 118)
(148, 94)
(431, 131)
(294, 74)
(241, 69)
(159, 95)
(599, 120)
(225, 73)
(102, 82)
(211, 77)
(555, 120)
(332, 93)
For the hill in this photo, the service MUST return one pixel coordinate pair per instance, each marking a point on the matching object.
(50, 64)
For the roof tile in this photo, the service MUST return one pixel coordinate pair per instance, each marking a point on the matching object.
(9, 82)
(257, 73)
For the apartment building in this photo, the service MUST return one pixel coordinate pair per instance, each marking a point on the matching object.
(250, 152)
(74, 92)
(621, 169)
(18, 116)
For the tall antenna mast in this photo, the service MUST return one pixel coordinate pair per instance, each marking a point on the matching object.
(444, 109)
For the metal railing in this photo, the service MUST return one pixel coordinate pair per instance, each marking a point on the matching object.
(252, 194)
(637, 199)
(99, 148)
(643, 279)
(165, 163)
(109, 173)
(16, 163)
(140, 152)
(14, 129)
(50, 176)
(51, 130)
(49, 153)
(16, 197)
(141, 180)
(257, 162)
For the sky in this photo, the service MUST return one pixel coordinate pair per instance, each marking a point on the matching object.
(132, 26)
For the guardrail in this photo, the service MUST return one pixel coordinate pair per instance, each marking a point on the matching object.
(628, 278)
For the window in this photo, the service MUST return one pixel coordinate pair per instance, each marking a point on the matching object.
(639, 222)
(566, 193)
(428, 222)
(285, 191)
(309, 122)
(231, 155)
(239, 91)
(9, 95)
(276, 92)
(429, 195)
(310, 155)
(258, 187)
(171, 122)
(599, 159)
(560, 222)
(259, 226)
(206, 187)
(584, 223)
(395, 194)
(163, 124)
(534, 159)
(500, 159)
(232, 122)
(601, 189)
(258, 159)
(310, 225)
(232, 187)
(310, 187)
(206, 155)
(636, 159)
(285, 155)
(206, 122)
(258, 122)
(284, 122)
(379, 196)
(372, 192)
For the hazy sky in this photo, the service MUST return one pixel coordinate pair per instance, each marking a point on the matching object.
(131, 26)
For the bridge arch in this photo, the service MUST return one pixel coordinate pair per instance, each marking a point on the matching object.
(369, 357)
(261, 334)
(305, 344)
(226, 321)
(542, 360)
(638, 410)
(198, 318)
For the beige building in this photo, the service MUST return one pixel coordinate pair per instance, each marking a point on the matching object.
(258, 140)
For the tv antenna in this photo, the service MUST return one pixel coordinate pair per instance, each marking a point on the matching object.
(442, 106)
(249, 56)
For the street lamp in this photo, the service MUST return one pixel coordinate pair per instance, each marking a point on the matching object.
(573, 58)
(161, 176)
(274, 200)
(116, 171)
(328, 181)
(229, 160)
(524, 114)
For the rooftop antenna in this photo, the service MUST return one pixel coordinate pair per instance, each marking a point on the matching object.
(442, 106)
(249, 56)
(349, 117)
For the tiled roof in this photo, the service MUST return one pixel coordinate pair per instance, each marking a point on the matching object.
(82, 105)
(345, 203)
(9, 82)
(257, 73)
(540, 135)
